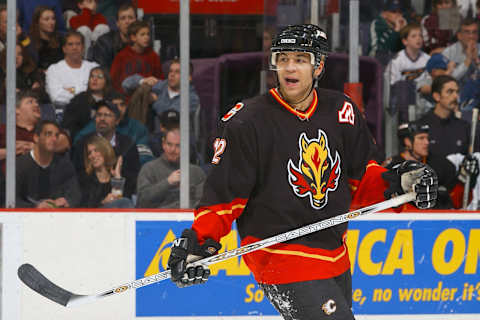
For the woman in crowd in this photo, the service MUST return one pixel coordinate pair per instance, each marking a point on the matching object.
(45, 38)
(101, 166)
(28, 76)
(80, 110)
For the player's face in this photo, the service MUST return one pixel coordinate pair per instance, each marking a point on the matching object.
(171, 146)
(295, 74)
(414, 39)
(448, 97)
(420, 145)
(95, 157)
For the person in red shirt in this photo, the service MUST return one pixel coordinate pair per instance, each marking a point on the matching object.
(137, 58)
(89, 23)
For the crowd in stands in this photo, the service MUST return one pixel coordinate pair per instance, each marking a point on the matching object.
(93, 109)
(94, 105)
(432, 66)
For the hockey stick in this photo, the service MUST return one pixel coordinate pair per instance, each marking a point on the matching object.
(39, 283)
(473, 130)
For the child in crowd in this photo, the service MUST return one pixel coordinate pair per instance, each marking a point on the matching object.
(137, 58)
(409, 63)
(90, 23)
(404, 69)
(437, 65)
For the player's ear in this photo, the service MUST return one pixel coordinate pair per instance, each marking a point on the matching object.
(436, 96)
(319, 69)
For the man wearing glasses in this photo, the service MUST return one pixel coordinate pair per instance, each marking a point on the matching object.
(107, 118)
(465, 51)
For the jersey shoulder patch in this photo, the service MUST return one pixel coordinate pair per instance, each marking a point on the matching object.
(346, 114)
(239, 106)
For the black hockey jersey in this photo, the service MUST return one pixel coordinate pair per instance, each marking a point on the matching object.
(277, 169)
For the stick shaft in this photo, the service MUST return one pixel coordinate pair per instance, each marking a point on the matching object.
(473, 131)
(314, 227)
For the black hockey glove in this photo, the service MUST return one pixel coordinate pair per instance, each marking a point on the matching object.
(468, 167)
(186, 250)
(413, 176)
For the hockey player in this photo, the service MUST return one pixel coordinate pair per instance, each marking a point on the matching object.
(414, 138)
(288, 158)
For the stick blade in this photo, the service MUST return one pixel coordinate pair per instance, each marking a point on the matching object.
(40, 284)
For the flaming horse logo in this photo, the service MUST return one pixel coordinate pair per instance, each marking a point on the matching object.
(316, 173)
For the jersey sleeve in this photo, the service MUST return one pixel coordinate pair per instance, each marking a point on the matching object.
(230, 182)
(364, 173)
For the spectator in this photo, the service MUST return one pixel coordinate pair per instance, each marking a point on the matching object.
(467, 8)
(158, 181)
(107, 118)
(437, 65)
(108, 45)
(81, 108)
(22, 38)
(68, 77)
(384, 32)
(44, 178)
(26, 10)
(166, 93)
(101, 165)
(414, 140)
(410, 62)
(137, 58)
(448, 134)
(132, 128)
(89, 23)
(45, 38)
(465, 51)
(28, 76)
(436, 39)
(27, 115)
(405, 68)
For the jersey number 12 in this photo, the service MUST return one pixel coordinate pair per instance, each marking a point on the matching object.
(219, 146)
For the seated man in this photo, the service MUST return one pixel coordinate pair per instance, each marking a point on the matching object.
(414, 139)
(107, 46)
(44, 178)
(107, 118)
(158, 181)
(447, 133)
(166, 93)
(465, 51)
(68, 77)
(27, 115)
(127, 126)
